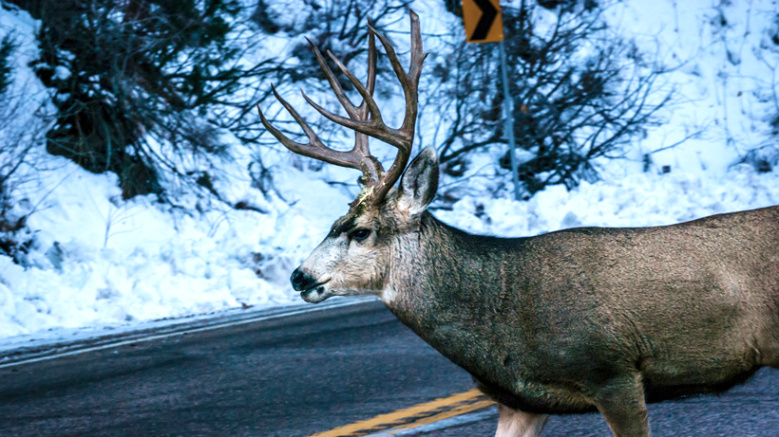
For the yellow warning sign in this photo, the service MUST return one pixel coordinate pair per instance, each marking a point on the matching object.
(483, 20)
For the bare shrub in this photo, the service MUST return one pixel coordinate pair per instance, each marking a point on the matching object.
(22, 126)
(134, 77)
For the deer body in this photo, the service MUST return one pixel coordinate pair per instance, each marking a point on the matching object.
(577, 320)
(543, 322)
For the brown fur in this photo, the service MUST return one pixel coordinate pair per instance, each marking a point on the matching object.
(688, 307)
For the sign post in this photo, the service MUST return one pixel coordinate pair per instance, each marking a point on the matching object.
(508, 106)
(484, 23)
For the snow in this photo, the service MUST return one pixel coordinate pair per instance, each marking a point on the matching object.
(724, 76)
(98, 261)
(641, 199)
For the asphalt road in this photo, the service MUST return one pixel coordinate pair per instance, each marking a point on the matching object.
(296, 376)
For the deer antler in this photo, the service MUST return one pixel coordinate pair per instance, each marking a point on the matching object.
(366, 119)
(359, 157)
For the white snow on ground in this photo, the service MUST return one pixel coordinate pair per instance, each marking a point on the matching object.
(100, 261)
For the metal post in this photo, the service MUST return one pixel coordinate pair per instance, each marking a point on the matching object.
(509, 119)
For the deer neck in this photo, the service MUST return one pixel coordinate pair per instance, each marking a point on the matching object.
(447, 285)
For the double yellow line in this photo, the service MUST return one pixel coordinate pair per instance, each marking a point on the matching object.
(418, 415)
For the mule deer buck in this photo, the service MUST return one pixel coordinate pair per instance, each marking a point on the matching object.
(577, 320)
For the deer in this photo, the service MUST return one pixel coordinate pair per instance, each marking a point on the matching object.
(572, 321)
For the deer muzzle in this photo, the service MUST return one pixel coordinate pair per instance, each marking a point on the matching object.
(302, 281)
(310, 289)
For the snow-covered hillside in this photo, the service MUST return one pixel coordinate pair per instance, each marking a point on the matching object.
(97, 260)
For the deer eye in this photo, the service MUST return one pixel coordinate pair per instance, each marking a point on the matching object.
(360, 234)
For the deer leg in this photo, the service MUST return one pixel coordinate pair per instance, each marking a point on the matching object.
(771, 355)
(622, 404)
(515, 423)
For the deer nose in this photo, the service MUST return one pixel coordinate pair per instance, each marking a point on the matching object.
(301, 281)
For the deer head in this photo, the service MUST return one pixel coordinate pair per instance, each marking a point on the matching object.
(356, 255)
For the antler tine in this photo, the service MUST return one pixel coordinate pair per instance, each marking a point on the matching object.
(371, 80)
(362, 110)
(316, 148)
(339, 92)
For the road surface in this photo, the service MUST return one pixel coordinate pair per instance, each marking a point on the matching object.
(299, 375)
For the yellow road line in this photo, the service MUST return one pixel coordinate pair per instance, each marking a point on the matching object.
(447, 414)
(417, 415)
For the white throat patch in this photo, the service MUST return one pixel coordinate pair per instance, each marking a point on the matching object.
(388, 295)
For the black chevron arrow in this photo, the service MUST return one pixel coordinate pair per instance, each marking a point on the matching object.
(488, 14)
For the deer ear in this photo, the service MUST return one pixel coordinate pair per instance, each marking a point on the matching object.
(419, 183)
